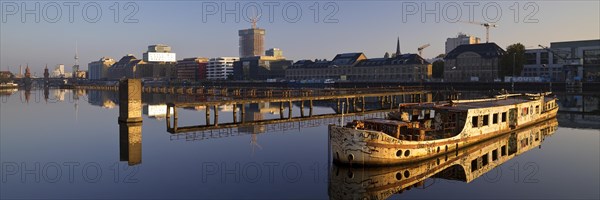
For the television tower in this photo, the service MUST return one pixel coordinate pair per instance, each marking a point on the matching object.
(76, 66)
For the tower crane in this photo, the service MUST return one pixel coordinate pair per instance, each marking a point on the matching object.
(573, 68)
(569, 60)
(420, 49)
(487, 28)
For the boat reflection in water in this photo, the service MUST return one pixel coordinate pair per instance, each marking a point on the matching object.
(465, 165)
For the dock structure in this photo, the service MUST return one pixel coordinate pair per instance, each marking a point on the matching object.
(254, 92)
(345, 101)
(268, 126)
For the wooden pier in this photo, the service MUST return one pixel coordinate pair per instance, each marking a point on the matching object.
(349, 102)
(268, 126)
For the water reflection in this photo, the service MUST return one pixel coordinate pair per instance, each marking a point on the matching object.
(54, 136)
(463, 165)
(130, 143)
(8, 92)
(156, 111)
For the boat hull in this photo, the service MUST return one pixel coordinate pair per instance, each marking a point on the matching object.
(365, 147)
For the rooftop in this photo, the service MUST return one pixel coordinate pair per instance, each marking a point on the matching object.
(485, 50)
(464, 105)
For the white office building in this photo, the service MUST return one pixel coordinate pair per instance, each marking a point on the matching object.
(99, 69)
(59, 71)
(578, 60)
(541, 63)
(452, 43)
(220, 68)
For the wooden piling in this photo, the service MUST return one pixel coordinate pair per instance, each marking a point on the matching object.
(301, 108)
(310, 112)
(234, 113)
(290, 110)
(216, 115)
(207, 115)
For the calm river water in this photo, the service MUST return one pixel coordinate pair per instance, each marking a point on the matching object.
(63, 144)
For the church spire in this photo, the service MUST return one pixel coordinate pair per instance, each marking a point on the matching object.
(398, 47)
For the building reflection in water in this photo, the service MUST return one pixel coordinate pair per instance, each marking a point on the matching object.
(46, 94)
(157, 111)
(463, 165)
(105, 99)
(256, 112)
(59, 95)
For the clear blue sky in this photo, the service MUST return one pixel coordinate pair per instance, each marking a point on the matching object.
(370, 27)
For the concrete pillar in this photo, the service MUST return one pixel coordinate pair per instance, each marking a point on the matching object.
(130, 101)
(130, 142)
(130, 121)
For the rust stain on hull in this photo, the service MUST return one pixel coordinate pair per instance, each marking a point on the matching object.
(370, 147)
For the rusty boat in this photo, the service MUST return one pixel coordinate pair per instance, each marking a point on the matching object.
(420, 131)
(464, 165)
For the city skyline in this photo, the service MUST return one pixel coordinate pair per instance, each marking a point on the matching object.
(194, 33)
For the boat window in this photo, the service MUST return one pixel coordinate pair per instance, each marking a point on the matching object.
(530, 109)
(486, 120)
(475, 121)
(504, 117)
(537, 109)
(452, 117)
(495, 118)
(485, 159)
(473, 165)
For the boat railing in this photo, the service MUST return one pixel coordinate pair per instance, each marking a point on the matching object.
(414, 131)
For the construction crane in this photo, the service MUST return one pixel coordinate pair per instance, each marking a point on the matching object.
(553, 52)
(569, 60)
(420, 49)
(487, 28)
(573, 68)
